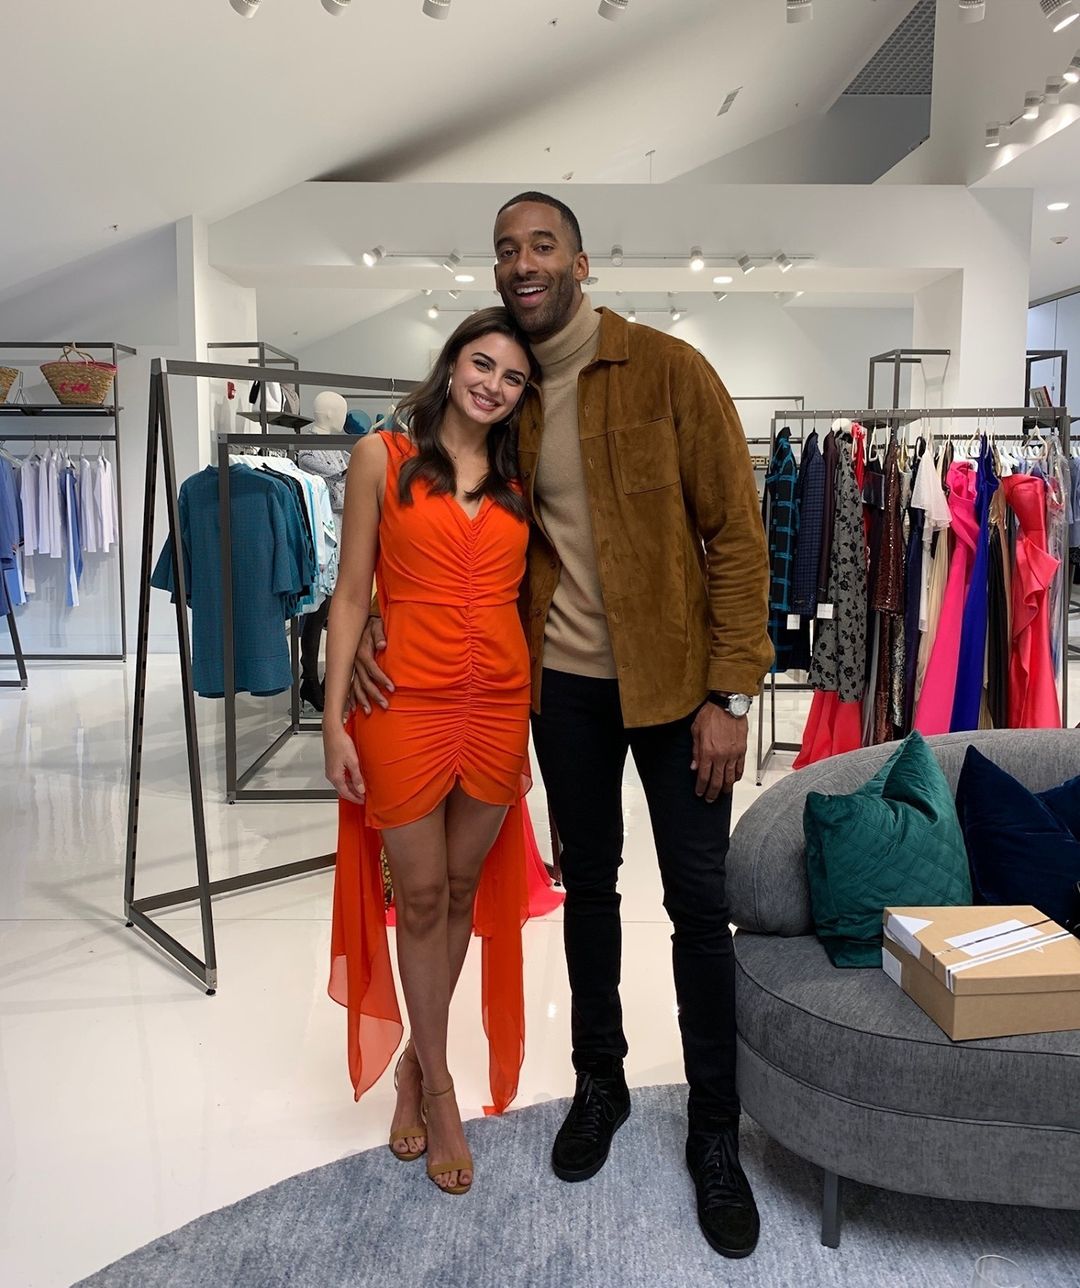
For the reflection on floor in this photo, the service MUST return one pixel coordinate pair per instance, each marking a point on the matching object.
(144, 1102)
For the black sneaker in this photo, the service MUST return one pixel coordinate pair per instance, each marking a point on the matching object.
(726, 1209)
(311, 692)
(601, 1106)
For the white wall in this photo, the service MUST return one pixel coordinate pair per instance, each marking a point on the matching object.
(757, 345)
(1056, 325)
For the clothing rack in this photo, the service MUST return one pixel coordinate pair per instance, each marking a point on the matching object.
(51, 411)
(1057, 418)
(898, 359)
(267, 354)
(17, 654)
(1060, 356)
(160, 448)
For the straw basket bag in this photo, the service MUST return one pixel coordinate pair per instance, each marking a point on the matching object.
(8, 376)
(80, 381)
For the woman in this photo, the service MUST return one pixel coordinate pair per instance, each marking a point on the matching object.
(439, 513)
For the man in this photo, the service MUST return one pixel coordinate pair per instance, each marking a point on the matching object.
(646, 607)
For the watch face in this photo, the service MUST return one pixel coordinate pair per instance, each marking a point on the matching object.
(739, 704)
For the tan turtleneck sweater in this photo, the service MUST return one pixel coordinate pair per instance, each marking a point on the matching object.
(576, 635)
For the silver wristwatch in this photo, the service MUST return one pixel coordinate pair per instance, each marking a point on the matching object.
(735, 704)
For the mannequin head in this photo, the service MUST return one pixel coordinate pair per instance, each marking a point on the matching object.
(330, 411)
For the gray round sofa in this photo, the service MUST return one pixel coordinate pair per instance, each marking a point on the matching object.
(842, 1068)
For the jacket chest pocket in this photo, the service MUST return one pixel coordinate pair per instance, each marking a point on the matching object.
(647, 455)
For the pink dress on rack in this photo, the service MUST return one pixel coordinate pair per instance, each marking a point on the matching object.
(1033, 696)
(933, 714)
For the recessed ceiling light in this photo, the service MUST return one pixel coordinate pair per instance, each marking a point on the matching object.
(993, 136)
(800, 10)
(722, 279)
(1055, 206)
(972, 10)
(372, 257)
(612, 9)
(464, 278)
(697, 259)
(1032, 103)
(437, 8)
(744, 263)
(1059, 13)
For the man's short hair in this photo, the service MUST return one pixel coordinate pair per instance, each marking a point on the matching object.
(542, 199)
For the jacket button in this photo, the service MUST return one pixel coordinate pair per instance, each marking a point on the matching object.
(526, 474)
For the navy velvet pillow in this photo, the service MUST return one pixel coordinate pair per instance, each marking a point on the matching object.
(1021, 846)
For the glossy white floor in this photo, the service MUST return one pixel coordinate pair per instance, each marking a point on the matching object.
(131, 1102)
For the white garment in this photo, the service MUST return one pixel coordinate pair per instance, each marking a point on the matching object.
(28, 497)
(89, 511)
(50, 518)
(929, 496)
(106, 504)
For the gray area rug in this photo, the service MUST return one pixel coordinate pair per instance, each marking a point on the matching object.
(368, 1220)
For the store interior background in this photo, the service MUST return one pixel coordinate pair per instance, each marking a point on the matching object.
(222, 202)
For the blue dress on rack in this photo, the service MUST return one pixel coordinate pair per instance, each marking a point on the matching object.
(272, 570)
(971, 665)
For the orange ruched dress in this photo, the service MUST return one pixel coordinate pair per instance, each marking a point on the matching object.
(448, 590)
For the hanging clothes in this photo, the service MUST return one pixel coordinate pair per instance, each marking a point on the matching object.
(888, 599)
(830, 457)
(971, 659)
(838, 670)
(11, 538)
(998, 617)
(913, 589)
(810, 500)
(69, 509)
(791, 647)
(272, 566)
(1033, 697)
(933, 713)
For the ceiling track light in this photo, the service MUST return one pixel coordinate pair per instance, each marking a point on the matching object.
(675, 315)
(452, 262)
(744, 263)
(993, 136)
(372, 257)
(800, 10)
(632, 316)
(612, 9)
(1055, 87)
(437, 8)
(245, 8)
(697, 259)
(336, 7)
(783, 263)
(1072, 72)
(1032, 103)
(433, 312)
(972, 10)
(1059, 13)
(454, 295)
(720, 296)
(617, 256)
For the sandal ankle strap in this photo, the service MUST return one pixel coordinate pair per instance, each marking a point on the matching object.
(435, 1095)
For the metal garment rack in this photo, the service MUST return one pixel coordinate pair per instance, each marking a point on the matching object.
(266, 355)
(159, 447)
(17, 654)
(1057, 417)
(1035, 356)
(898, 359)
(50, 411)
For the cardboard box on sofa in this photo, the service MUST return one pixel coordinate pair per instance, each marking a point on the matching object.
(985, 972)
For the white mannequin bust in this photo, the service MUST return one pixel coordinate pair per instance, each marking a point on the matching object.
(330, 412)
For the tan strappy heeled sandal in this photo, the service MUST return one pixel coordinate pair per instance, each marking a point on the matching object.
(398, 1136)
(454, 1165)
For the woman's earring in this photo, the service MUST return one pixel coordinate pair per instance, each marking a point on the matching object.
(449, 386)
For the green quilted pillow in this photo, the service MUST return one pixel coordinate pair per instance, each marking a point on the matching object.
(896, 842)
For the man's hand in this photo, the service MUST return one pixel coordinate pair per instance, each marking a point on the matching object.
(719, 750)
(368, 681)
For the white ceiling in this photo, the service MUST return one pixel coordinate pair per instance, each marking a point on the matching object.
(143, 112)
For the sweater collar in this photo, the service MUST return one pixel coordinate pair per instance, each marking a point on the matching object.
(561, 348)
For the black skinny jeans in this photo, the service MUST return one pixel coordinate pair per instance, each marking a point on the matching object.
(581, 745)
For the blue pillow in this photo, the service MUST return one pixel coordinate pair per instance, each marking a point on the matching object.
(1020, 845)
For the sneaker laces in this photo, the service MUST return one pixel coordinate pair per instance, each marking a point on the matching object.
(719, 1174)
(592, 1105)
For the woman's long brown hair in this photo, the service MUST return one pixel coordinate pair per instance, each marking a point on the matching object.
(422, 413)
